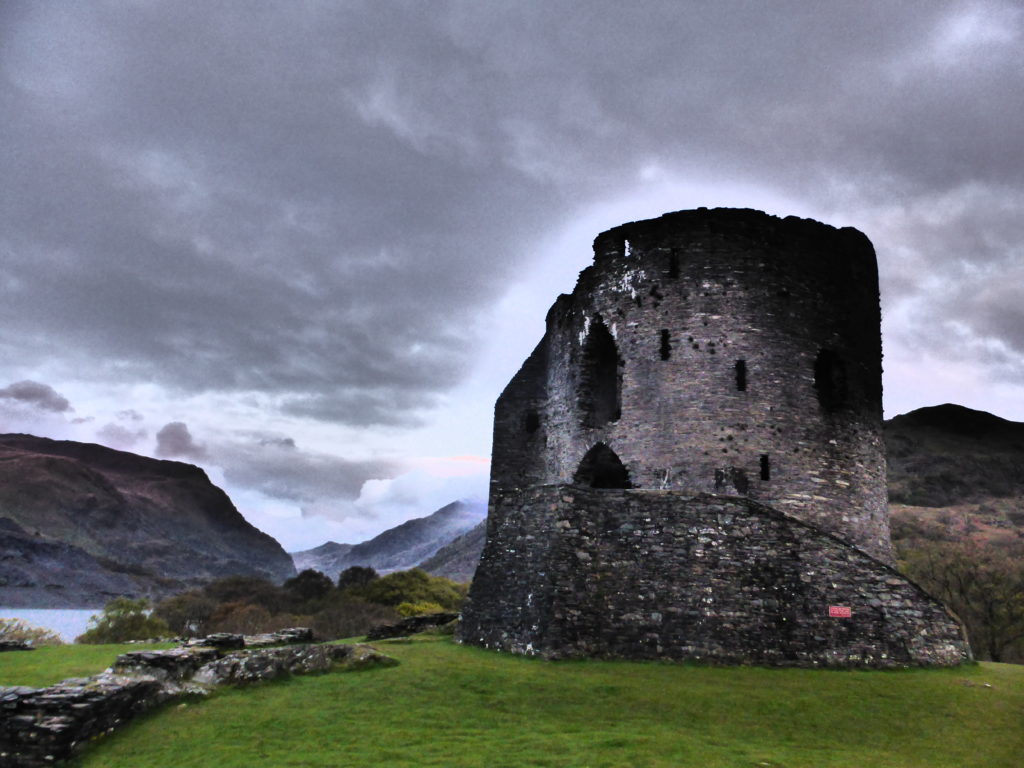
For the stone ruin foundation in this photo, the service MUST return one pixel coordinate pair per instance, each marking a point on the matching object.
(690, 464)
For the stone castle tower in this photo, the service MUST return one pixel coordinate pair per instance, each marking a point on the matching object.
(690, 463)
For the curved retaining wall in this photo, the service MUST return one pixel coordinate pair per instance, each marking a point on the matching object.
(570, 571)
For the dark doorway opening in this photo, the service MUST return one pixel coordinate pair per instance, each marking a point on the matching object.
(601, 468)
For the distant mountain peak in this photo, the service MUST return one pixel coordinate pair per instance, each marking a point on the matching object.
(402, 547)
(957, 419)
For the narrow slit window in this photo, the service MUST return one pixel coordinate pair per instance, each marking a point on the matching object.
(673, 265)
(741, 375)
(766, 467)
(666, 345)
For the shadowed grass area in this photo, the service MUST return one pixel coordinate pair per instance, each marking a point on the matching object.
(448, 705)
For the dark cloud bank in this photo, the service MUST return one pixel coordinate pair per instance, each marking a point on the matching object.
(314, 201)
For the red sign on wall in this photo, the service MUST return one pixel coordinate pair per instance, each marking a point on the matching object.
(840, 611)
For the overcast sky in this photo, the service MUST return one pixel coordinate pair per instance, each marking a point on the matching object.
(305, 244)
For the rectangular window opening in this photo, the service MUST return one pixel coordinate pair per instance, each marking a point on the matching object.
(741, 375)
(673, 265)
(666, 344)
(766, 467)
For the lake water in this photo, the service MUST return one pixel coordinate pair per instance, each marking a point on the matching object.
(69, 623)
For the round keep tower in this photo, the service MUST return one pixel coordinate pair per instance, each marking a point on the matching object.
(724, 351)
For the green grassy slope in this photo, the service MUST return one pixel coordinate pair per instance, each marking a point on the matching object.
(448, 705)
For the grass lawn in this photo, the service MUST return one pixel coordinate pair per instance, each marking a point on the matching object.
(448, 705)
(50, 664)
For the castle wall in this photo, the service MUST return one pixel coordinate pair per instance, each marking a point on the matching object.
(726, 365)
(688, 299)
(666, 574)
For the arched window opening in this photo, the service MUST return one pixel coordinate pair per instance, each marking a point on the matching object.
(830, 380)
(666, 344)
(741, 375)
(600, 382)
(601, 468)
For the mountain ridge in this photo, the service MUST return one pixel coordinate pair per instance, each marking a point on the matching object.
(399, 548)
(162, 525)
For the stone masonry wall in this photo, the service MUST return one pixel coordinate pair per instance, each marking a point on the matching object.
(668, 574)
(748, 363)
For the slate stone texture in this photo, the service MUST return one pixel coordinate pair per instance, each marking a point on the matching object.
(727, 363)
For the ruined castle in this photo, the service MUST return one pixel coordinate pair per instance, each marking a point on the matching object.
(690, 463)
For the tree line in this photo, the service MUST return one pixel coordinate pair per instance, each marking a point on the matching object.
(349, 607)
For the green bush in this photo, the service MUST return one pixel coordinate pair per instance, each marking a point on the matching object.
(415, 586)
(308, 589)
(356, 576)
(418, 609)
(19, 631)
(124, 619)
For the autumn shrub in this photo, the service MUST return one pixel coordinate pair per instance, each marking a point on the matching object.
(239, 618)
(348, 616)
(247, 589)
(187, 614)
(983, 582)
(20, 631)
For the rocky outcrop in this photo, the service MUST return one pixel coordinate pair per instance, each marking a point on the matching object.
(81, 523)
(397, 549)
(411, 625)
(41, 726)
(39, 572)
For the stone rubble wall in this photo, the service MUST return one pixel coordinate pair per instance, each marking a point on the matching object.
(411, 625)
(669, 574)
(41, 726)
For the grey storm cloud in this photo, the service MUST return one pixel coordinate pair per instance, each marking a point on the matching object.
(174, 440)
(315, 201)
(274, 465)
(37, 395)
